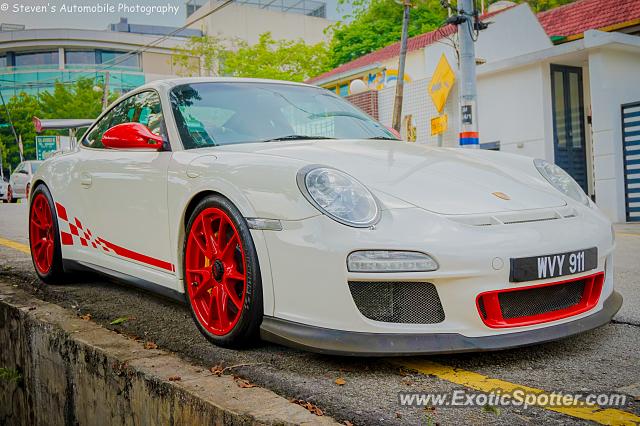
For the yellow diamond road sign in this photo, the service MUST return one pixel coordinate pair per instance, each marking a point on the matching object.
(441, 83)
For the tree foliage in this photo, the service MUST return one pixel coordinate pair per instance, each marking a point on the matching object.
(78, 100)
(269, 58)
(202, 53)
(375, 24)
(542, 5)
(276, 59)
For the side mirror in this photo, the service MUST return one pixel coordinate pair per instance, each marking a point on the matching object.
(131, 136)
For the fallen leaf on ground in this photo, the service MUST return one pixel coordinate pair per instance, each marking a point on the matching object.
(309, 406)
(243, 383)
(217, 370)
(85, 317)
(340, 381)
(150, 345)
(175, 378)
(119, 320)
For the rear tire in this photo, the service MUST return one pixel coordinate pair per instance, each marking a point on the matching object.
(221, 274)
(44, 237)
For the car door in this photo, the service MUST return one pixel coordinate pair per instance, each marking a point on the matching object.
(123, 197)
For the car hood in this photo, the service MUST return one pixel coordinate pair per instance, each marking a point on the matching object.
(445, 181)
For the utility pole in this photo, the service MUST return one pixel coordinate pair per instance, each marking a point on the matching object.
(397, 106)
(469, 136)
(105, 91)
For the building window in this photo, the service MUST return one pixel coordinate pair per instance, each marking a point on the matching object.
(3, 61)
(80, 57)
(34, 59)
(119, 59)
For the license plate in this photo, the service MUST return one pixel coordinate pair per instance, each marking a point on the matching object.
(553, 265)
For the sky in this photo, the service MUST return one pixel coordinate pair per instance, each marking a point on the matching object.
(97, 14)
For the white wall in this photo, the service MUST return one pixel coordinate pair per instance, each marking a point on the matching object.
(613, 81)
(511, 110)
(248, 22)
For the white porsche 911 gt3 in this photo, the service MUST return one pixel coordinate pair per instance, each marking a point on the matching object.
(280, 210)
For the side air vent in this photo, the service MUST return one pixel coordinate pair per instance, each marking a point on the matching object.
(398, 302)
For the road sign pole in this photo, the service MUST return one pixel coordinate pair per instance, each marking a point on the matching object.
(469, 136)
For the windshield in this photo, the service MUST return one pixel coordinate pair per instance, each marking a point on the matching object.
(210, 114)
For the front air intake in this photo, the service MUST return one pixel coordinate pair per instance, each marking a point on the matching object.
(540, 303)
(398, 302)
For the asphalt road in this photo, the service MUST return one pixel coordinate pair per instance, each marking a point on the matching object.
(606, 359)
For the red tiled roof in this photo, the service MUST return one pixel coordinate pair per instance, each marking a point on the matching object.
(570, 19)
(582, 15)
(391, 51)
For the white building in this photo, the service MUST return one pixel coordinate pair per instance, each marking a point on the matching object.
(247, 19)
(562, 85)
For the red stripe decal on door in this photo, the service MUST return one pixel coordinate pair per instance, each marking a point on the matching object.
(68, 239)
(121, 251)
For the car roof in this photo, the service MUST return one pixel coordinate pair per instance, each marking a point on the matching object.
(172, 82)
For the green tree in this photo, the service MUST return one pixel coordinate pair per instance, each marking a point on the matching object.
(82, 99)
(542, 5)
(22, 108)
(276, 59)
(269, 58)
(199, 54)
(375, 24)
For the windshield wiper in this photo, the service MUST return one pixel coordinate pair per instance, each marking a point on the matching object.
(295, 137)
(384, 138)
(338, 114)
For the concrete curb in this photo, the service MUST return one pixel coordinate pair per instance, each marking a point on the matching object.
(77, 372)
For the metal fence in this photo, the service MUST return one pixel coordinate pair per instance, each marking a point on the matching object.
(417, 104)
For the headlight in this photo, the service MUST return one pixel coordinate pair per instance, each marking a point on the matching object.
(561, 181)
(338, 195)
(390, 261)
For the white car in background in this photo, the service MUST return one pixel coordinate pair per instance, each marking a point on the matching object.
(20, 180)
(279, 210)
(4, 188)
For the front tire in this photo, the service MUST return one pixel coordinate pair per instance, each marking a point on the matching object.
(44, 236)
(222, 279)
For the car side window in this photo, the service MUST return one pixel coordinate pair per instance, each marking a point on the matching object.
(143, 108)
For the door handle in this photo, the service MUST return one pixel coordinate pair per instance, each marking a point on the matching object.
(85, 180)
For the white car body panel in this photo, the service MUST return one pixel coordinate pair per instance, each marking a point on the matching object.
(138, 201)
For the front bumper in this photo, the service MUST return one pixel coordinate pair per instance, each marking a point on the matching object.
(338, 342)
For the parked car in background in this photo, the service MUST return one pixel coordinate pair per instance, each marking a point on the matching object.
(20, 180)
(4, 187)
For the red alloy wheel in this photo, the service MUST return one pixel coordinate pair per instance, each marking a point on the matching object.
(215, 271)
(41, 234)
